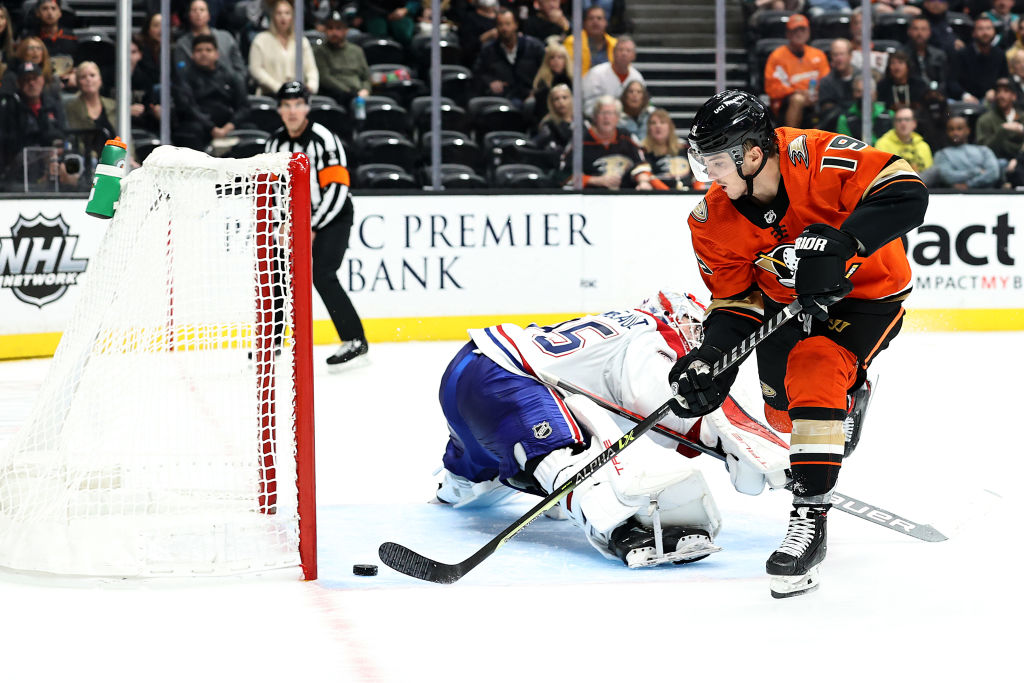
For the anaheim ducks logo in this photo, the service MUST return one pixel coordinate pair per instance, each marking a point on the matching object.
(798, 152)
(700, 213)
(781, 262)
(614, 164)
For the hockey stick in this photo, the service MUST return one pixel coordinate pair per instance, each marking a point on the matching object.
(409, 562)
(840, 501)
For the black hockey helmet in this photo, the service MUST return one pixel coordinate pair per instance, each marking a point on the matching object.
(722, 125)
(293, 90)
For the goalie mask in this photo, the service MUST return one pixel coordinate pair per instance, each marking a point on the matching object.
(681, 312)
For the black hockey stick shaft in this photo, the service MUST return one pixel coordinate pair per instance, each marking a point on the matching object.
(409, 562)
(840, 501)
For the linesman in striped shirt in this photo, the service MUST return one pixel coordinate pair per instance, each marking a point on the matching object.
(331, 204)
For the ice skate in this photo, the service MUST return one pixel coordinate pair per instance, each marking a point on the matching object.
(351, 354)
(794, 566)
(461, 492)
(854, 422)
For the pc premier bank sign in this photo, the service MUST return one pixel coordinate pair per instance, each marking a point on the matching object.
(37, 261)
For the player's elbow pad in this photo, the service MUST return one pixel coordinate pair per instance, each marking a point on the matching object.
(890, 214)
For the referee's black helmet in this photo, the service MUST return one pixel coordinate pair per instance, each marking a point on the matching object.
(293, 90)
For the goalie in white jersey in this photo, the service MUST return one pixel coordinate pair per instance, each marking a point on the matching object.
(511, 429)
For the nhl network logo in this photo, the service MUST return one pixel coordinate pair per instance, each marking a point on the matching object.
(37, 263)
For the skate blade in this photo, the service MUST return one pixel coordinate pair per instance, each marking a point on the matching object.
(357, 362)
(792, 586)
(647, 557)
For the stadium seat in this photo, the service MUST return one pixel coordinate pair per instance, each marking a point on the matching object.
(423, 102)
(891, 26)
(320, 100)
(95, 47)
(504, 147)
(772, 23)
(315, 37)
(493, 117)
(402, 90)
(384, 116)
(453, 117)
(454, 176)
(385, 147)
(250, 143)
(962, 25)
(519, 176)
(456, 148)
(823, 44)
(889, 46)
(262, 99)
(381, 176)
(830, 25)
(264, 116)
(333, 117)
(451, 53)
(144, 142)
(383, 51)
(457, 84)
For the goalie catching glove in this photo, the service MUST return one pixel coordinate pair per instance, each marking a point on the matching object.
(697, 391)
(821, 270)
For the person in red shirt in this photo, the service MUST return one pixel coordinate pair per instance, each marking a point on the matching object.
(793, 72)
(806, 215)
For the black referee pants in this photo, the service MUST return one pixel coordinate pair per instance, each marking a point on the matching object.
(328, 252)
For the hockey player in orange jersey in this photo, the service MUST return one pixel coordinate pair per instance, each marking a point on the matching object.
(807, 215)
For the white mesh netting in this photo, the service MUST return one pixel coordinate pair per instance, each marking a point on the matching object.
(162, 442)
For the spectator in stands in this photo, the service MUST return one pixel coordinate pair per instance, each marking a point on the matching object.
(961, 165)
(272, 55)
(34, 118)
(198, 24)
(899, 87)
(835, 92)
(977, 66)
(145, 109)
(636, 108)
(943, 35)
(425, 20)
(611, 158)
(879, 58)
(890, 6)
(927, 62)
(1001, 128)
(32, 49)
(547, 20)
(507, 65)
(555, 130)
(598, 46)
(1017, 74)
(931, 120)
(389, 19)
(1002, 13)
(210, 100)
(6, 37)
(615, 12)
(610, 78)
(48, 13)
(150, 40)
(762, 6)
(1018, 44)
(793, 72)
(344, 73)
(849, 122)
(904, 141)
(815, 7)
(670, 169)
(476, 28)
(89, 111)
(554, 70)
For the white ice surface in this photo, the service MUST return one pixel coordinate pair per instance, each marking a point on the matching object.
(942, 446)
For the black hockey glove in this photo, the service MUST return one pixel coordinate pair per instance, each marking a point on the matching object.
(821, 272)
(692, 380)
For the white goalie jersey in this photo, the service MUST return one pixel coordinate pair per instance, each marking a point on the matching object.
(625, 357)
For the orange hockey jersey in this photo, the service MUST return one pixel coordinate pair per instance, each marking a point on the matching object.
(785, 73)
(743, 244)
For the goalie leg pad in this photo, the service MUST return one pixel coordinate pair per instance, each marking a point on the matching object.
(755, 455)
(648, 485)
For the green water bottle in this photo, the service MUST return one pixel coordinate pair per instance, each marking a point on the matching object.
(106, 183)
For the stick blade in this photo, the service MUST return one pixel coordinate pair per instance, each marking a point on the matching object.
(926, 532)
(411, 563)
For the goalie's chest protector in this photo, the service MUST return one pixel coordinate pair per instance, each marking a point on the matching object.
(824, 176)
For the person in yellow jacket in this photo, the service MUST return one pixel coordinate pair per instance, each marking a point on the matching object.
(903, 141)
(595, 40)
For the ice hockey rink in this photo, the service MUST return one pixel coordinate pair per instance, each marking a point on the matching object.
(942, 446)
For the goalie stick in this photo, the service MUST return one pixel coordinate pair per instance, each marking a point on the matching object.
(840, 501)
(411, 563)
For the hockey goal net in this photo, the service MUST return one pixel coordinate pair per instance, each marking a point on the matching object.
(173, 434)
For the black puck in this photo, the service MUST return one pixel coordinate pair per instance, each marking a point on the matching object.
(364, 569)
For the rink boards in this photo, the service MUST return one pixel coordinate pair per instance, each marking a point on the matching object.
(428, 267)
